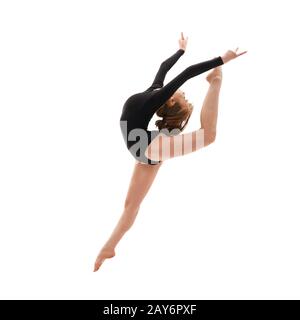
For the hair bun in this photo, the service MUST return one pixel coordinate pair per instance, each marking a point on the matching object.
(162, 111)
(160, 123)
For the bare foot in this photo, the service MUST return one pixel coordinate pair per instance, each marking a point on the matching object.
(216, 73)
(104, 254)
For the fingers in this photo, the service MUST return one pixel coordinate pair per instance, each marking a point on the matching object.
(182, 37)
(239, 54)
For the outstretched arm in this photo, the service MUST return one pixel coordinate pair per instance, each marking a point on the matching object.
(168, 64)
(162, 95)
(164, 68)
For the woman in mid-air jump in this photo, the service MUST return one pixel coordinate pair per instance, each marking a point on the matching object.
(151, 148)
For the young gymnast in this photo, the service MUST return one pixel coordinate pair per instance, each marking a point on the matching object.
(151, 147)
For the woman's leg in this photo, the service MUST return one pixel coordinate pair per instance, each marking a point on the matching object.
(141, 181)
(209, 111)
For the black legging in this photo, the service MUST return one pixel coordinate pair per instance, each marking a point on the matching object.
(140, 107)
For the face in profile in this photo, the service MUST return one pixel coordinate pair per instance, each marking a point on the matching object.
(179, 97)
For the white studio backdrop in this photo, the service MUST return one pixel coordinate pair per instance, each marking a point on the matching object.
(220, 223)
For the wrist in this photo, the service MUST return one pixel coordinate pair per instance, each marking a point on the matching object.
(225, 58)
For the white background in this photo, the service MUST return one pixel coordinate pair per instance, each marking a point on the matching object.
(220, 223)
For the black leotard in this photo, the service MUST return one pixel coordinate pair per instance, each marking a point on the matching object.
(140, 107)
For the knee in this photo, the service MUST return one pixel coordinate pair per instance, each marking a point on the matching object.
(131, 205)
(130, 211)
(209, 137)
(126, 224)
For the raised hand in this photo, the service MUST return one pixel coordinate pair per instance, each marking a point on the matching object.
(229, 55)
(183, 42)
